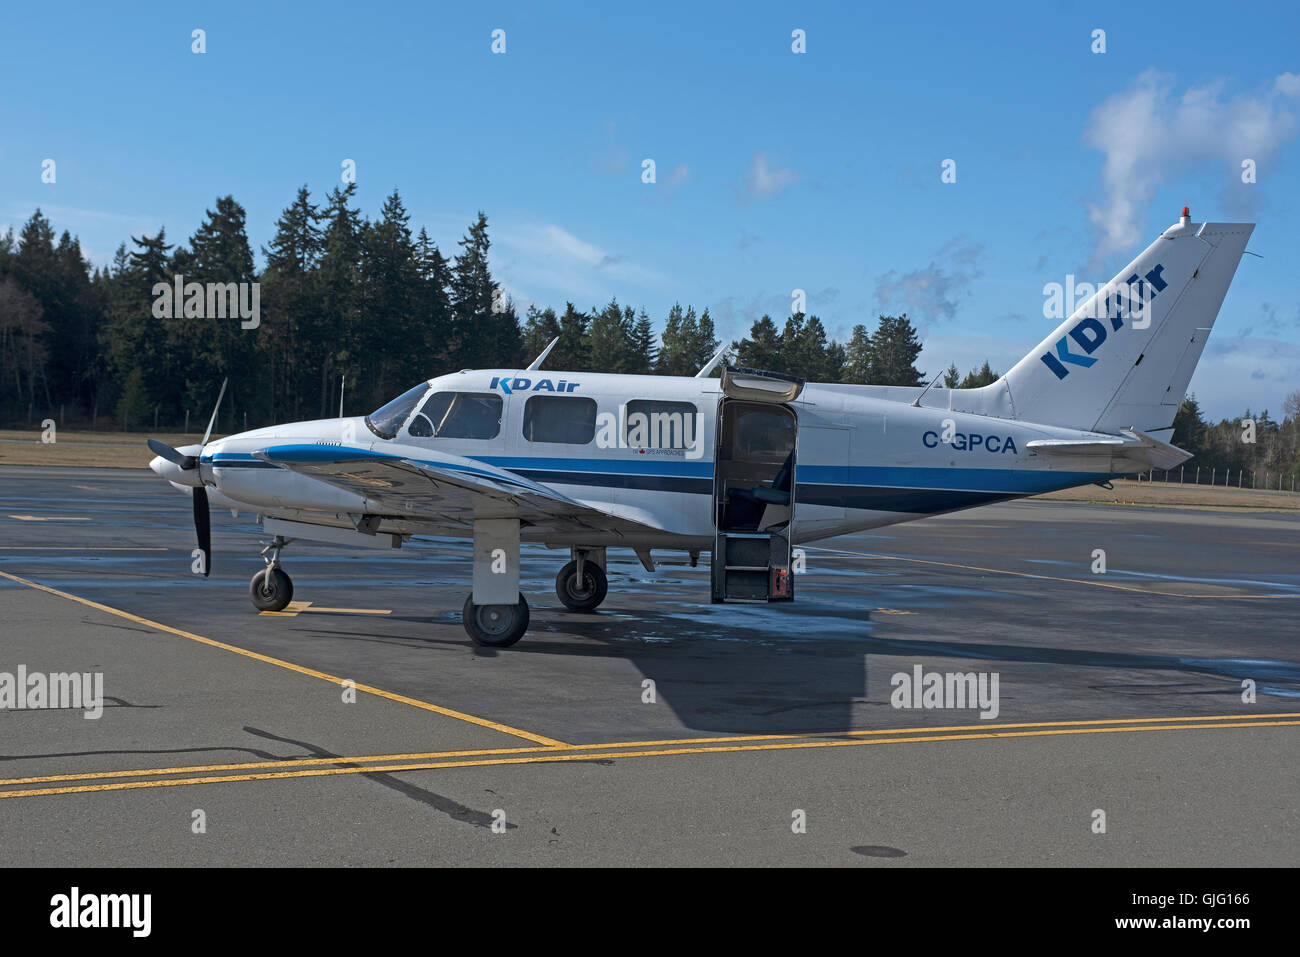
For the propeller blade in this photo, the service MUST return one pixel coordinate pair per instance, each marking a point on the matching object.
(179, 459)
(213, 421)
(203, 525)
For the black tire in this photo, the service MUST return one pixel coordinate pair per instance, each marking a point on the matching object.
(271, 590)
(584, 596)
(496, 626)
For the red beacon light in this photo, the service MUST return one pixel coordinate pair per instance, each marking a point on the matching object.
(1187, 213)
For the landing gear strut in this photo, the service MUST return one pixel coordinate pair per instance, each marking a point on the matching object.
(271, 589)
(491, 615)
(581, 585)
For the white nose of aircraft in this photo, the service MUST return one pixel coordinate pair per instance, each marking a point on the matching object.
(172, 472)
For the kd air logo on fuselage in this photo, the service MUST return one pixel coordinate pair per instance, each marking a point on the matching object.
(520, 384)
(1116, 304)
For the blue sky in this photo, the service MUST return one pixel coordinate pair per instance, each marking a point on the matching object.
(775, 170)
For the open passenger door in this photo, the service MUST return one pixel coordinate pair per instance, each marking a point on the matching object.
(754, 487)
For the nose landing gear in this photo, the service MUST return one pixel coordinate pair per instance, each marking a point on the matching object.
(271, 589)
(582, 585)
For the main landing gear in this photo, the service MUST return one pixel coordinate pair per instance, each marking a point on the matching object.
(496, 626)
(271, 589)
(582, 585)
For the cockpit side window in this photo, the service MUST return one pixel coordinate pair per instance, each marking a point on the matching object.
(458, 415)
(386, 422)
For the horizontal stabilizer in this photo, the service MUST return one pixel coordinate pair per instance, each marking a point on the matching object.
(1133, 448)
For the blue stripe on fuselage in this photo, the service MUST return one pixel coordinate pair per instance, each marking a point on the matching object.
(870, 488)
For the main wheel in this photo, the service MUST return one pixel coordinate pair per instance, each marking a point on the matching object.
(582, 595)
(497, 626)
(271, 590)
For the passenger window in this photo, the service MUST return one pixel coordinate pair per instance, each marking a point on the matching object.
(567, 419)
(660, 425)
(458, 415)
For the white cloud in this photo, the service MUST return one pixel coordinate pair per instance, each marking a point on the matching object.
(1236, 374)
(934, 291)
(766, 180)
(1288, 84)
(1149, 133)
(557, 265)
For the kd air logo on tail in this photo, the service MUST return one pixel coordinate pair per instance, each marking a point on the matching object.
(1115, 303)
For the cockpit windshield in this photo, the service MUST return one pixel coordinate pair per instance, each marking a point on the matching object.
(388, 421)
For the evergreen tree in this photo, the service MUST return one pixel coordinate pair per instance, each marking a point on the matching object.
(895, 347)
(133, 341)
(1190, 428)
(296, 349)
(338, 276)
(860, 358)
(978, 378)
(540, 329)
(210, 349)
(836, 356)
(643, 351)
(609, 340)
(394, 346)
(704, 343)
(762, 349)
(570, 353)
(951, 377)
(680, 342)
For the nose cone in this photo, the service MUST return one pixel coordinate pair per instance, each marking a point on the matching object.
(173, 472)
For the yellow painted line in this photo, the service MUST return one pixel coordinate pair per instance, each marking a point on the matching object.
(250, 765)
(290, 610)
(983, 729)
(1050, 578)
(956, 727)
(49, 518)
(279, 663)
(552, 757)
(426, 755)
(294, 608)
(351, 611)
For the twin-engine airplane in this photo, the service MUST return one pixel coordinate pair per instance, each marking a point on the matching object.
(743, 467)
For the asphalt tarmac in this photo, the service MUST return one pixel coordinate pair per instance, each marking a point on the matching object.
(364, 728)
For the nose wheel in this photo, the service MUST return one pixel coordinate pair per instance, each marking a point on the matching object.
(496, 626)
(271, 589)
(581, 589)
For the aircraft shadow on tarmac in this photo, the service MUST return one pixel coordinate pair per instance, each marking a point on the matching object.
(768, 679)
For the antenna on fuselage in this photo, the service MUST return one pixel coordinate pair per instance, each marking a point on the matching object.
(917, 400)
(712, 363)
(343, 387)
(537, 363)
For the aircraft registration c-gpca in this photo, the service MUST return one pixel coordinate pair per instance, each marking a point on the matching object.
(741, 467)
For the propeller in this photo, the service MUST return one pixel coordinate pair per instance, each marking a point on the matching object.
(203, 526)
(188, 463)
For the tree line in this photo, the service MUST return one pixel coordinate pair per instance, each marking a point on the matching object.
(345, 303)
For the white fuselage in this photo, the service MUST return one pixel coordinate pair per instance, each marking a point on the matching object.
(866, 457)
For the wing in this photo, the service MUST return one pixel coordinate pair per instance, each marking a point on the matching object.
(444, 489)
